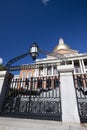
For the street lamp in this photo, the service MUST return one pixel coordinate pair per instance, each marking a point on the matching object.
(34, 51)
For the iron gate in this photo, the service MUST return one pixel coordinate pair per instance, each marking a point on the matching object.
(33, 98)
(80, 82)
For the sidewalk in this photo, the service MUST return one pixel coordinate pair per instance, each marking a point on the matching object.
(29, 124)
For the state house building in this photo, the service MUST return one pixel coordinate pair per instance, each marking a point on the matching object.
(43, 89)
(49, 66)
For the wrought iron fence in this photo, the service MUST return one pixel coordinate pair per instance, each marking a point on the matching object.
(80, 82)
(33, 98)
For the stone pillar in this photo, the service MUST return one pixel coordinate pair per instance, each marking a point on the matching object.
(68, 95)
(5, 79)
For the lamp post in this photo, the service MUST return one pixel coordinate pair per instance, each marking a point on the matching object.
(34, 51)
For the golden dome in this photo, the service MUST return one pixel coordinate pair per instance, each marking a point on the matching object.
(61, 46)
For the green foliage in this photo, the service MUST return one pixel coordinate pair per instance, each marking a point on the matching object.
(2, 67)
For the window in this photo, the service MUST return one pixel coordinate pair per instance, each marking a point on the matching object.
(45, 71)
(48, 83)
(77, 69)
(77, 66)
(24, 74)
(49, 72)
(55, 70)
(85, 63)
(69, 62)
(56, 83)
(41, 71)
(29, 74)
(79, 81)
(39, 83)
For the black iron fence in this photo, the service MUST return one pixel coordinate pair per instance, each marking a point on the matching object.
(80, 82)
(37, 97)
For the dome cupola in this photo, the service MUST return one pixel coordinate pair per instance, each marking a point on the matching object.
(61, 46)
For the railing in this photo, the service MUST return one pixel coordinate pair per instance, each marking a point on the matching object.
(34, 98)
(80, 82)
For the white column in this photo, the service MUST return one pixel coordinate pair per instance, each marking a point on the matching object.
(4, 77)
(80, 66)
(68, 95)
(52, 70)
(83, 66)
(36, 72)
(73, 65)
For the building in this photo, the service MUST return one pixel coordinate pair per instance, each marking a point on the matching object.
(54, 88)
(49, 66)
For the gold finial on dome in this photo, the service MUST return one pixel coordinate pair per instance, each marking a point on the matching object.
(61, 41)
(61, 46)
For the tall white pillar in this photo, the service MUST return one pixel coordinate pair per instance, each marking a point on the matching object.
(52, 70)
(73, 65)
(4, 80)
(68, 95)
(83, 66)
(80, 66)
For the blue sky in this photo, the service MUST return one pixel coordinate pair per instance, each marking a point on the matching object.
(23, 22)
